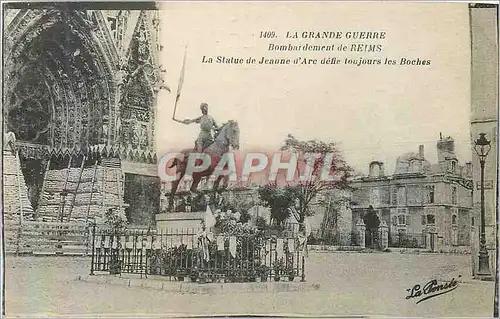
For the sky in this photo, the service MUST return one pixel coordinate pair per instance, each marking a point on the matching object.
(373, 112)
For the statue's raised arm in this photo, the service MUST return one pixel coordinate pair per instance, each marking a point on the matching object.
(189, 121)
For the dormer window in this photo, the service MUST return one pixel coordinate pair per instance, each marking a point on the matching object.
(376, 169)
(415, 166)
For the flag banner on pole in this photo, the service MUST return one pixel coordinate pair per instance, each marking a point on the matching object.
(232, 246)
(106, 241)
(98, 241)
(262, 253)
(129, 243)
(220, 242)
(291, 245)
(279, 248)
(209, 219)
(181, 82)
(149, 242)
(181, 78)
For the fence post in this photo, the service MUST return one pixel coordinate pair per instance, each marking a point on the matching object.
(93, 249)
(303, 279)
(385, 235)
(361, 231)
(431, 240)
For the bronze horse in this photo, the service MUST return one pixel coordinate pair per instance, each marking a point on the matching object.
(228, 136)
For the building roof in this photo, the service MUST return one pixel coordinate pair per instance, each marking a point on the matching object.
(404, 162)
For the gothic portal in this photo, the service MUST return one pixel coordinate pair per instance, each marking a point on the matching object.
(80, 90)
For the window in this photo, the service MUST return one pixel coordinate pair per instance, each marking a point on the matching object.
(395, 220)
(402, 217)
(429, 194)
(401, 220)
(431, 219)
(473, 222)
(415, 166)
(453, 166)
(453, 195)
(454, 230)
(401, 196)
(374, 170)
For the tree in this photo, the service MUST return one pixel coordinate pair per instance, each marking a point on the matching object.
(279, 201)
(327, 160)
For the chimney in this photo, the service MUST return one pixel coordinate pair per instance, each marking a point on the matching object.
(421, 150)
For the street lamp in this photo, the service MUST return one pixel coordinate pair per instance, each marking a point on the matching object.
(482, 147)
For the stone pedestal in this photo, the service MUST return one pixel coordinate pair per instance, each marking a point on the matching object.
(179, 223)
(384, 230)
(361, 228)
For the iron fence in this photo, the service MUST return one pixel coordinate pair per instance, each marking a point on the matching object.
(186, 254)
(407, 240)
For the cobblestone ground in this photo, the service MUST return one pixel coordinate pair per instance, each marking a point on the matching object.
(351, 284)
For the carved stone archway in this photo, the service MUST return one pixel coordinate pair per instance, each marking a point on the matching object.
(59, 84)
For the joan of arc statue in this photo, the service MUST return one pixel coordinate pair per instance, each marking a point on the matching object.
(207, 124)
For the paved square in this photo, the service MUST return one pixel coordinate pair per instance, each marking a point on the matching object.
(351, 284)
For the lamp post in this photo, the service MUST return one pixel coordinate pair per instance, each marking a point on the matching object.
(482, 147)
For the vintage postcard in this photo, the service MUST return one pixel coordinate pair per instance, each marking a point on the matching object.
(318, 159)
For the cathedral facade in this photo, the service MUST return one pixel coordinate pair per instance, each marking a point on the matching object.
(80, 93)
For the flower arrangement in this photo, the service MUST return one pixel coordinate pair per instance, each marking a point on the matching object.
(229, 223)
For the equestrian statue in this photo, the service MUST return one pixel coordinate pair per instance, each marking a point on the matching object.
(215, 145)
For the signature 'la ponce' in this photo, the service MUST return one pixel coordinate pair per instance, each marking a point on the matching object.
(431, 289)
